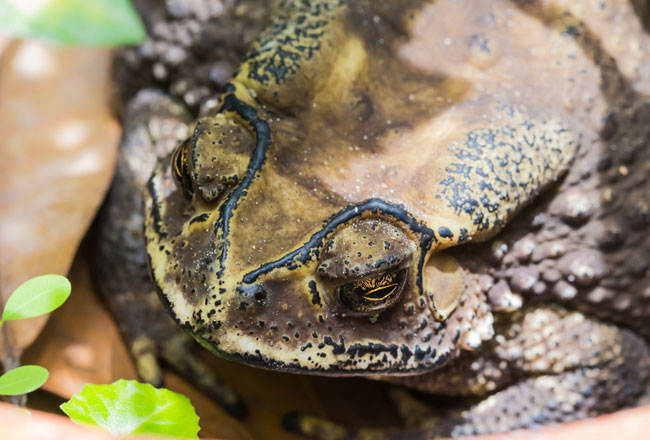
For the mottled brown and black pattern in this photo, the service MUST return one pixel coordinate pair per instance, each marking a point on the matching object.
(293, 38)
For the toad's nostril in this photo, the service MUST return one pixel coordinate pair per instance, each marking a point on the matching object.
(260, 296)
(253, 293)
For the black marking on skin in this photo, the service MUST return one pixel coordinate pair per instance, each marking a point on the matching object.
(374, 206)
(200, 218)
(273, 364)
(572, 31)
(336, 348)
(283, 59)
(445, 232)
(315, 296)
(421, 354)
(472, 161)
(372, 348)
(463, 235)
(480, 41)
(155, 211)
(263, 136)
(406, 353)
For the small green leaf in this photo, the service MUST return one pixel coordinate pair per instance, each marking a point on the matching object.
(36, 296)
(22, 380)
(86, 22)
(128, 407)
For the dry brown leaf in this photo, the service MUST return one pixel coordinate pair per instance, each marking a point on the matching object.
(58, 143)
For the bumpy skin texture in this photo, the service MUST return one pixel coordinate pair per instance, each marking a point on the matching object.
(329, 219)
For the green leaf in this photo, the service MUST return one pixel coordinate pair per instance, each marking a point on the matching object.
(128, 407)
(22, 380)
(85, 22)
(36, 297)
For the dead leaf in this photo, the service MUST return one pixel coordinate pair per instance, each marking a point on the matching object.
(58, 142)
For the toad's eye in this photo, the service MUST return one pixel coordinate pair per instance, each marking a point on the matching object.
(181, 169)
(373, 294)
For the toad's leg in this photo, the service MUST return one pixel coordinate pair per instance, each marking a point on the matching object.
(153, 125)
(550, 365)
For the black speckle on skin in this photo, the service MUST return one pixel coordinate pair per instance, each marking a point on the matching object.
(420, 354)
(480, 41)
(337, 348)
(372, 349)
(572, 31)
(445, 232)
(200, 218)
(278, 62)
(491, 175)
(406, 353)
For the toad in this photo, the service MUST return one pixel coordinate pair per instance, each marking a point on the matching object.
(452, 196)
